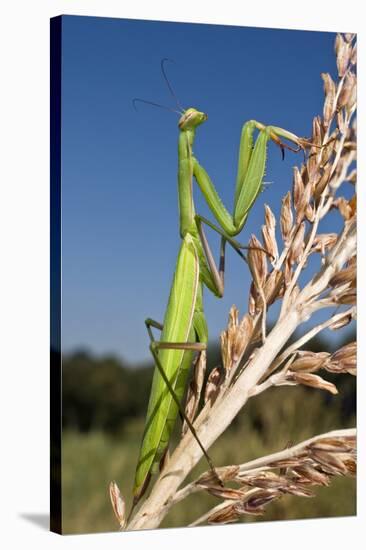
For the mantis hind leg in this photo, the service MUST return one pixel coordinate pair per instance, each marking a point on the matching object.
(200, 329)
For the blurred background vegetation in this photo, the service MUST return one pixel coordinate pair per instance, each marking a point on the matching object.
(104, 404)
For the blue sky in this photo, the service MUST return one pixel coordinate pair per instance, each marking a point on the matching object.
(119, 188)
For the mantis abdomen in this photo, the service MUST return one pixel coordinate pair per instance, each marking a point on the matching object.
(177, 328)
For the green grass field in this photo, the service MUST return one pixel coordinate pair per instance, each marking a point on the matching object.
(92, 460)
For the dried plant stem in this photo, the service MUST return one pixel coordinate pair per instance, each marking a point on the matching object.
(213, 422)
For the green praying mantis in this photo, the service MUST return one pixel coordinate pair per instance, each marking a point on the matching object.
(184, 328)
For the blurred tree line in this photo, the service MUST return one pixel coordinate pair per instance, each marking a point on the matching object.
(102, 393)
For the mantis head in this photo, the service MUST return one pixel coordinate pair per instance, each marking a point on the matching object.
(191, 118)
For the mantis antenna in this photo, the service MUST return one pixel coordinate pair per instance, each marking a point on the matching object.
(180, 110)
(169, 85)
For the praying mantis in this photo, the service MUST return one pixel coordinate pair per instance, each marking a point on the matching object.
(184, 329)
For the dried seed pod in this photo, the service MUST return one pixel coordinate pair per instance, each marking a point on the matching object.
(351, 466)
(344, 277)
(324, 242)
(235, 338)
(213, 384)
(352, 82)
(274, 288)
(347, 298)
(330, 445)
(269, 233)
(118, 504)
(287, 462)
(298, 245)
(286, 218)
(347, 95)
(330, 461)
(227, 514)
(345, 359)
(226, 473)
(287, 272)
(317, 136)
(312, 380)
(340, 323)
(255, 502)
(346, 208)
(322, 182)
(313, 475)
(257, 260)
(352, 176)
(309, 361)
(225, 492)
(330, 99)
(297, 188)
(298, 490)
(310, 213)
(252, 300)
(343, 51)
(341, 121)
(353, 59)
(303, 204)
(264, 480)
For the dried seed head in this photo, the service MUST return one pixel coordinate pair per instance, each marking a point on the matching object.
(330, 99)
(118, 504)
(312, 380)
(322, 182)
(286, 218)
